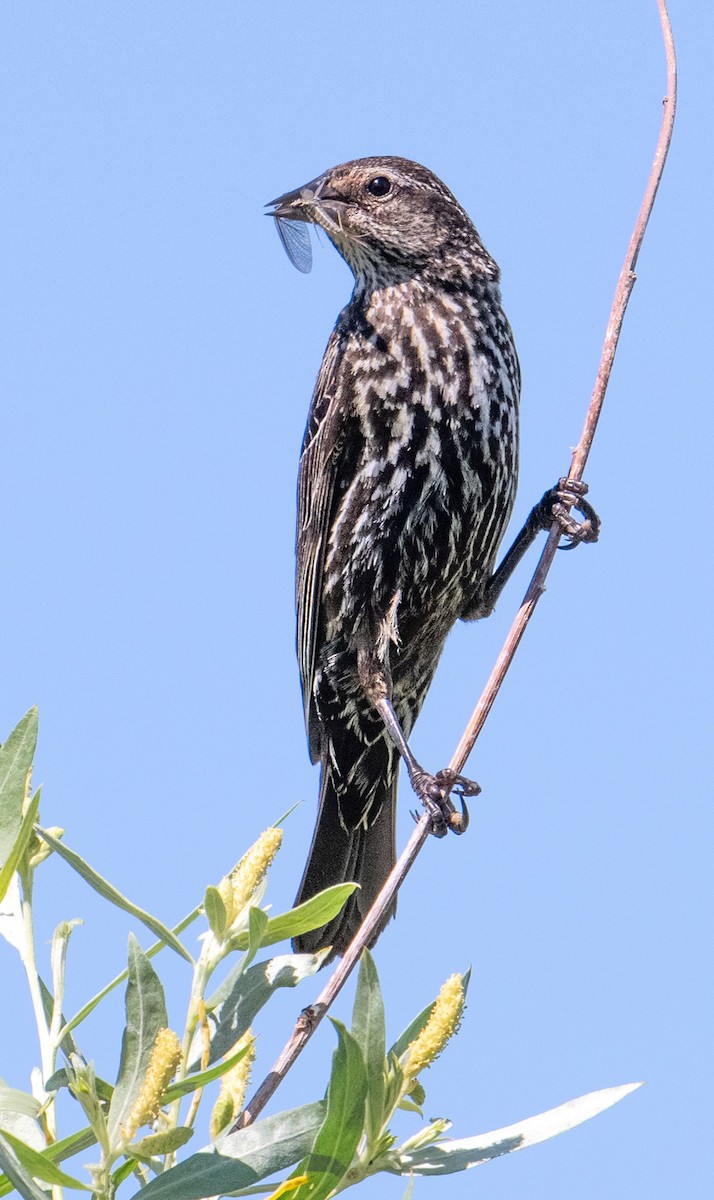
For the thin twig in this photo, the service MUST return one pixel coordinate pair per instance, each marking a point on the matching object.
(311, 1017)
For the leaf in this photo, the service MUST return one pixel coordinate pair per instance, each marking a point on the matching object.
(66, 1148)
(12, 1100)
(20, 845)
(368, 1029)
(412, 1031)
(110, 893)
(201, 1078)
(42, 1168)
(311, 915)
(257, 924)
(338, 1137)
(215, 911)
(445, 1157)
(18, 1116)
(145, 1016)
(251, 990)
(241, 1159)
(15, 766)
(18, 1175)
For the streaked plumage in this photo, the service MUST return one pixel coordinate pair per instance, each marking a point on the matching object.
(407, 480)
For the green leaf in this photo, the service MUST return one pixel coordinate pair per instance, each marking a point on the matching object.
(58, 1151)
(338, 1137)
(369, 1031)
(15, 766)
(241, 1159)
(450, 1155)
(202, 1078)
(215, 911)
(41, 1168)
(21, 841)
(251, 990)
(145, 1016)
(161, 1143)
(110, 893)
(257, 924)
(18, 1175)
(310, 915)
(412, 1031)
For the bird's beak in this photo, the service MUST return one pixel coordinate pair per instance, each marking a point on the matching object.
(304, 203)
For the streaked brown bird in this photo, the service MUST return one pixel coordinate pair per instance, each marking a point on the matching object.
(406, 483)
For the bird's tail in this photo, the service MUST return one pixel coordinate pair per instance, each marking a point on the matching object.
(338, 855)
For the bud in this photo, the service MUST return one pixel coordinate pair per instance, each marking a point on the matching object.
(234, 1086)
(163, 1064)
(253, 866)
(442, 1025)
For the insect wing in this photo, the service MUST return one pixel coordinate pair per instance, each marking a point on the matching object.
(295, 236)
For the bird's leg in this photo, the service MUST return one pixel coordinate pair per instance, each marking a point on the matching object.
(434, 791)
(555, 505)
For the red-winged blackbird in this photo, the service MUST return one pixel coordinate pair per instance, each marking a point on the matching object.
(407, 479)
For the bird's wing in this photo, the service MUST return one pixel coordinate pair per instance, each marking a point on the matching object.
(322, 468)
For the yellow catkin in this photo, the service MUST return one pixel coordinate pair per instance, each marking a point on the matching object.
(163, 1064)
(252, 867)
(234, 1085)
(442, 1025)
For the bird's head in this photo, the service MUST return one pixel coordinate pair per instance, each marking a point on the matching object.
(390, 219)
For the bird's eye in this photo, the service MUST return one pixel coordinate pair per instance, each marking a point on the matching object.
(379, 186)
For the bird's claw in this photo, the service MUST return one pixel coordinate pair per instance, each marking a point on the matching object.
(556, 505)
(434, 791)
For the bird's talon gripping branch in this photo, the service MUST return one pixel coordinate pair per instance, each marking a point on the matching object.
(434, 791)
(556, 505)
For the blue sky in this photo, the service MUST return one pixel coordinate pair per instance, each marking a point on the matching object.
(156, 363)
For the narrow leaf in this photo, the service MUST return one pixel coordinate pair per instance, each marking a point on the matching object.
(15, 765)
(201, 1078)
(338, 1137)
(368, 1029)
(12, 1100)
(18, 1175)
(145, 1016)
(24, 834)
(257, 924)
(215, 911)
(110, 893)
(305, 917)
(445, 1157)
(241, 1159)
(42, 1168)
(251, 990)
(412, 1031)
(58, 1151)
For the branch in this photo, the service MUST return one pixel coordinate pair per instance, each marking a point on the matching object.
(310, 1018)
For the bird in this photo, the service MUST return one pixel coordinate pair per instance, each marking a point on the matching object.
(407, 479)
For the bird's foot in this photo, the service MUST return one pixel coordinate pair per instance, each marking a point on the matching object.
(434, 792)
(556, 505)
